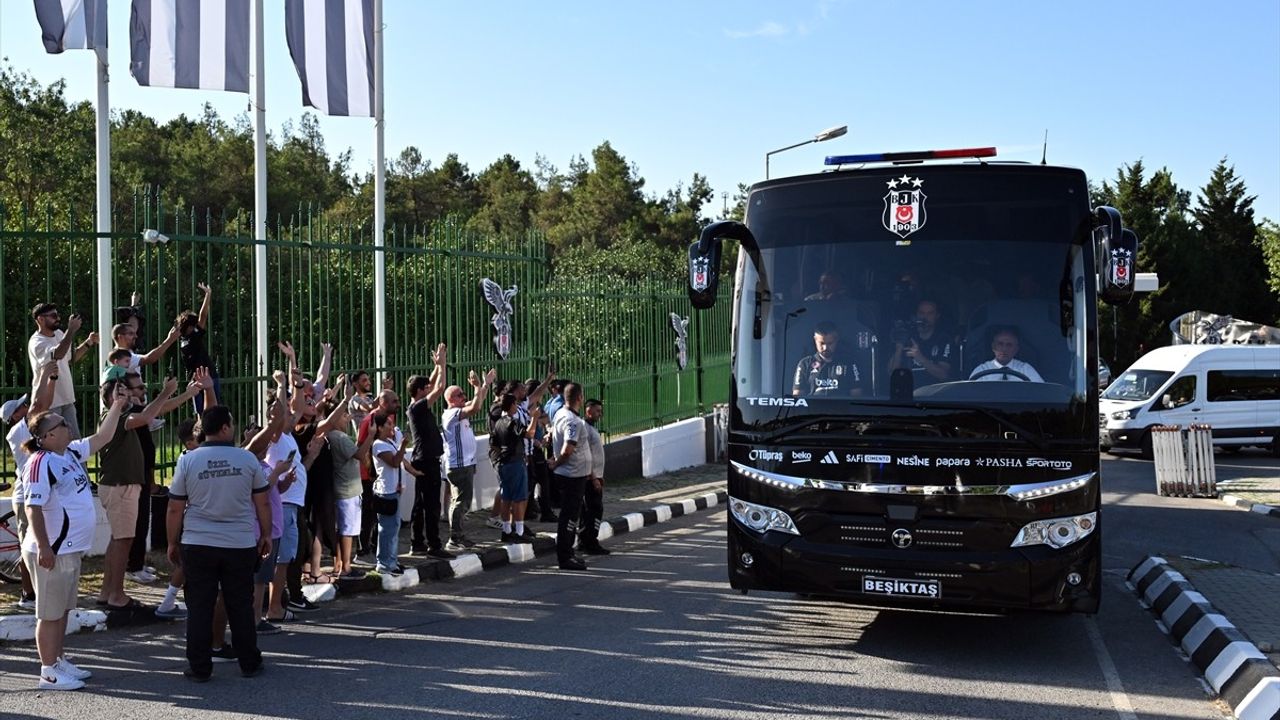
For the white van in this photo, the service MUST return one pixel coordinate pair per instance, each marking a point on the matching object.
(1235, 389)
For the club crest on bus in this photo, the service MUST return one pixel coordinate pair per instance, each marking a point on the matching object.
(501, 301)
(1121, 267)
(698, 272)
(904, 206)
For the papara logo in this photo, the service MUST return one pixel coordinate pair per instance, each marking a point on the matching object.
(777, 401)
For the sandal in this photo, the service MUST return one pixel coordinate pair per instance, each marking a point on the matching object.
(288, 617)
(321, 579)
(133, 604)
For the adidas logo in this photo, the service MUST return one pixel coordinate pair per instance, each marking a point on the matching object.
(830, 458)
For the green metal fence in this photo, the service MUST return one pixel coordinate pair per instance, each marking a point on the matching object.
(613, 336)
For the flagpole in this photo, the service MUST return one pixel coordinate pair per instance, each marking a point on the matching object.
(103, 119)
(260, 197)
(379, 198)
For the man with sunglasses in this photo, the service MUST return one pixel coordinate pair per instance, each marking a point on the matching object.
(47, 343)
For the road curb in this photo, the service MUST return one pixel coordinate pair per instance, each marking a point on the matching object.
(22, 627)
(1260, 508)
(1232, 665)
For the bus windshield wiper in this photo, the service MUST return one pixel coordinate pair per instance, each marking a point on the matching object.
(781, 428)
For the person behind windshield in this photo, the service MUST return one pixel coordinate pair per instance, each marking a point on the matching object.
(827, 372)
(1005, 348)
(926, 350)
(830, 287)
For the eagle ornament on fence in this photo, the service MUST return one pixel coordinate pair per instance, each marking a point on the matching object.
(501, 301)
(681, 326)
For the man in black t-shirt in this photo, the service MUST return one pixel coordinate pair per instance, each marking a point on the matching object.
(828, 372)
(928, 351)
(428, 446)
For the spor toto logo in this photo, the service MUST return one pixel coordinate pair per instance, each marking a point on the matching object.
(901, 538)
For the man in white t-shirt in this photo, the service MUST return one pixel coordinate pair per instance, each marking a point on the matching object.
(49, 343)
(15, 412)
(460, 452)
(1005, 366)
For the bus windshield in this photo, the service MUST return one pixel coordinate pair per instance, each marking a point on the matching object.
(985, 305)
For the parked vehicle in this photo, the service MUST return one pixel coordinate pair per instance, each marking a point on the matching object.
(1104, 374)
(1235, 389)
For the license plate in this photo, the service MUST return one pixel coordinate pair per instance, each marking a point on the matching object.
(901, 588)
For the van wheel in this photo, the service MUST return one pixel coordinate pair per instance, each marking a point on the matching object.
(1230, 449)
(1145, 447)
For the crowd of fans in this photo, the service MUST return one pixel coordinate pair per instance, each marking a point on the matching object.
(313, 494)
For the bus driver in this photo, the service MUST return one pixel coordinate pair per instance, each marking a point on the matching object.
(1005, 366)
(827, 372)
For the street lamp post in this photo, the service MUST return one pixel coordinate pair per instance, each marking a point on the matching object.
(823, 136)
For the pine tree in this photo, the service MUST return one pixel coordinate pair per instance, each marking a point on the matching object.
(1231, 268)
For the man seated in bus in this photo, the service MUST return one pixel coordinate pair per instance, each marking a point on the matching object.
(830, 287)
(923, 347)
(1005, 365)
(827, 372)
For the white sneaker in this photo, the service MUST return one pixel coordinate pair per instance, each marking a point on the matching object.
(142, 577)
(494, 523)
(52, 679)
(150, 568)
(66, 667)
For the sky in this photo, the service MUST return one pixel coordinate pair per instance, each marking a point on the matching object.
(710, 86)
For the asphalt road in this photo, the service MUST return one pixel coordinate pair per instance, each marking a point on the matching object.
(654, 632)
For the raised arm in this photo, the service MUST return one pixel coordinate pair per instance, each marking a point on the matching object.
(158, 351)
(326, 365)
(272, 429)
(482, 389)
(46, 381)
(152, 410)
(107, 430)
(535, 397)
(203, 319)
(439, 362)
(73, 326)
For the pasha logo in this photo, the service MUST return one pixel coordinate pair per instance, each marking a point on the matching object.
(904, 211)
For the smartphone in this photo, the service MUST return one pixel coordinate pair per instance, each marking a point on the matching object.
(292, 455)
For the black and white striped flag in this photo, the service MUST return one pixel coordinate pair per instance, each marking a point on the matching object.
(72, 24)
(201, 44)
(331, 42)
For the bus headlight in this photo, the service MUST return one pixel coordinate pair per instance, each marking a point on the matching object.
(1056, 532)
(761, 518)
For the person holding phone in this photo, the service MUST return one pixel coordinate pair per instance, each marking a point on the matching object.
(50, 343)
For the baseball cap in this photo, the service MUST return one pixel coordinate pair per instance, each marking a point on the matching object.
(11, 407)
(115, 372)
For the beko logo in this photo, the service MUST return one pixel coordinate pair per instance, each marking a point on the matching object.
(777, 401)
(1054, 464)
(766, 455)
(801, 456)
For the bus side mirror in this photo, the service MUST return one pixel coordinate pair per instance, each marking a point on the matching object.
(704, 259)
(1116, 250)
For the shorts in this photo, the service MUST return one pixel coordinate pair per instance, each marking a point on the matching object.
(267, 569)
(513, 481)
(56, 589)
(120, 503)
(289, 540)
(348, 516)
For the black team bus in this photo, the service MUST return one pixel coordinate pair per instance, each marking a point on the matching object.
(914, 412)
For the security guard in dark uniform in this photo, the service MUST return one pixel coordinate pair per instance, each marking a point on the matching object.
(827, 372)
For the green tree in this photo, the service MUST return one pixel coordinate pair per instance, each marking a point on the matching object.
(48, 151)
(1231, 266)
(1269, 241)
(508, 197)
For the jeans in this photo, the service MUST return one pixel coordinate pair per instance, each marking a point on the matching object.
(571, 489)
(210, 570)
(426, 504)
(462, 479)
(389, 537)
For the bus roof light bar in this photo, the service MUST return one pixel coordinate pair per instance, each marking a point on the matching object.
(914, 156)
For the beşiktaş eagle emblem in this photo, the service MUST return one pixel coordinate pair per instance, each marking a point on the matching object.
(681, 326)
(501, 301)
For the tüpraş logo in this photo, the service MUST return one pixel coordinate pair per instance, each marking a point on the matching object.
(777, 401)
(758, 454)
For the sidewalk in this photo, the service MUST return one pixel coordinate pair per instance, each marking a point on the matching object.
(1250, 482)
(621, 498)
